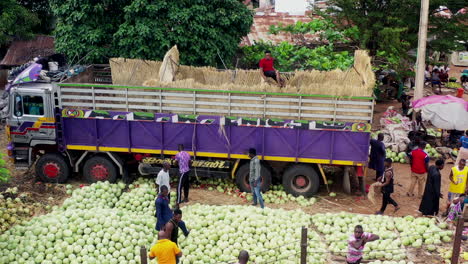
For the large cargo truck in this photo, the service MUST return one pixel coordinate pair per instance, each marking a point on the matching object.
(104, 131)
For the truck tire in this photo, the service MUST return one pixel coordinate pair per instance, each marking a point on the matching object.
(52, 167)
(242, 178)
(301, 179)
(99, 168)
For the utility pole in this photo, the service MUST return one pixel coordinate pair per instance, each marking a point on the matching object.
(422, 40)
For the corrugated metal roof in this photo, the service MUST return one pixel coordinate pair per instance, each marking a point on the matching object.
(22, 51)
(262, 23)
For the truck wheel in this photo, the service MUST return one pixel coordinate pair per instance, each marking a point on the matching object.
(99, 168)
(301, 179)
(52, 168)
(242, 178)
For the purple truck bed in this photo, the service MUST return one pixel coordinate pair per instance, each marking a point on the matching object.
(280, 140)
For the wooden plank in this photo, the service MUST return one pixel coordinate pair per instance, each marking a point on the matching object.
(143, 256)
(457, 240)
(304, 245)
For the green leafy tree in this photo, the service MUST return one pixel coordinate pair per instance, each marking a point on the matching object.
(16, 22)
(449, 34)
(203, 30)
(327, 31)
(85, 28)
(146, 29)
(41, 9)
(389, 29)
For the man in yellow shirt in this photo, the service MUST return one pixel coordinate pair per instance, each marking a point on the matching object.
(165, 251)
(458, 176)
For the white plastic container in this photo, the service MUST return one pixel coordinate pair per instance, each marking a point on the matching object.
(53, 66)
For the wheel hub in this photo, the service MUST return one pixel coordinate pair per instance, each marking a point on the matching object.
(100, 172)
(51, 170)
(300, 181)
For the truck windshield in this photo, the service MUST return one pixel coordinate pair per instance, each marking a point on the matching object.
(29, 105)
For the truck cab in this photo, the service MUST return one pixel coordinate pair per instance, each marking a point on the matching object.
(30, 121)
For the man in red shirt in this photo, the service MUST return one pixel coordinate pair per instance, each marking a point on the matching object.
(419, 164)
(267, 69)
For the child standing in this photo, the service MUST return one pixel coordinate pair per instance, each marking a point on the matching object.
(456, 208)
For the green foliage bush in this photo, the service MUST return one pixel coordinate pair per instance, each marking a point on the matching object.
(299, 56)
(4, 172)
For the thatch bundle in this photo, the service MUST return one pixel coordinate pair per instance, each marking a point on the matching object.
(170, 65)
(356, 81)
(133, 71)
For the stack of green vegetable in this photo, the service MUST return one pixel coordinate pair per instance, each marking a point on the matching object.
(433, 132)
(432, 152)
(396, 157)
(12, 209)
(276, 194)
(453, 85)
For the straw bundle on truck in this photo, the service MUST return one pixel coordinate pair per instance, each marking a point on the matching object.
(356, 81)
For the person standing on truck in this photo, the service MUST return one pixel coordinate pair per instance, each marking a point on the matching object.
(163, 211)
(183, 160)
(387, 187)
(419, 161)
(356, 244)
(268, 70)
(377, 155)
(430, 200)
(163, 179)
(255, 178)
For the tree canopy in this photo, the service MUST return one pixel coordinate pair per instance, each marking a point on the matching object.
(389, 29)
(41, 9)
(146, 29)
(85, 28)
(16, 22)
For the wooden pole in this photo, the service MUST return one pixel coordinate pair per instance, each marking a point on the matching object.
(422, 39)
(457, 240)
(346, 181)
(143, 256)
(304, 245)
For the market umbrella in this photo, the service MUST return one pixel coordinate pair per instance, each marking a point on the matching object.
(444, 111)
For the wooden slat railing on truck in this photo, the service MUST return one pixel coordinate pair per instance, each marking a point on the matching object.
(216, 102)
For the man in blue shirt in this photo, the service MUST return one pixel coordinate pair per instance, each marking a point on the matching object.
(163, 211)
(377, 155)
